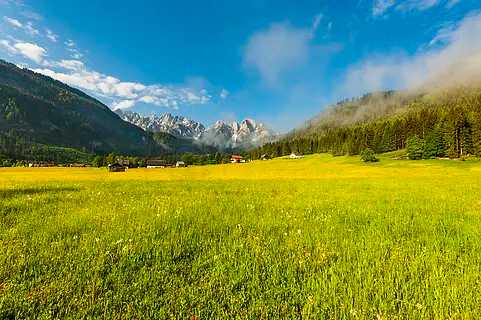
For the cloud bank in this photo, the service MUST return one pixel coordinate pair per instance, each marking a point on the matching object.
(123, 94)
(452, 58)
(28, 50)
(71, 70)
(282, 48)
(277, 50)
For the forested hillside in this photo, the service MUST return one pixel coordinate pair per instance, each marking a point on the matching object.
(44, 119)
(441, 123)
(36, 110)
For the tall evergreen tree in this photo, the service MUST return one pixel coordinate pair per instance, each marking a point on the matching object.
(476, 133)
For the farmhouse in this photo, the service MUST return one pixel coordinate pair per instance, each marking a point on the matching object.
(123, 162)
(237, 159)
(41, 164)
(265, 157)
(116, 168)
(77, 165)
(296, 156)
(154, 163)
(180, 164)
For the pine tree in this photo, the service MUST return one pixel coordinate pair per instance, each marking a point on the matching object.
(415, 146)
(433, 144)
(476, 134)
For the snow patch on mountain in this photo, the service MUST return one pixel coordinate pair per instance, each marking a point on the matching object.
(241, 135)
(175, 125)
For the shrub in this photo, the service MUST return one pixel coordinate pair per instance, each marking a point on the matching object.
(337, 153)
(5, 163)
(98, 162)
(367, 155)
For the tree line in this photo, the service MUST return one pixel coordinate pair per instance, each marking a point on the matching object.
(17, 149)
(188, 158)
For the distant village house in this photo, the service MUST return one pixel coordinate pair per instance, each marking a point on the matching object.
(180, 164)
(123, 162)
(154, 163)
(78, 165)
(237, 159)
(116, 168)
(296, 156)
(265, 157)
(41, 164)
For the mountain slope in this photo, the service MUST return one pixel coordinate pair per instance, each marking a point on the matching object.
(438, 122)
(42, 110)
(367, 108)
(244, 135)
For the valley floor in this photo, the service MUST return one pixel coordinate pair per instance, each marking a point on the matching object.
(319, 237)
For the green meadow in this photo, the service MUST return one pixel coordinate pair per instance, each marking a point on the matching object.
(316, 238)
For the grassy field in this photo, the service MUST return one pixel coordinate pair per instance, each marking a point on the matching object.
(317, 238)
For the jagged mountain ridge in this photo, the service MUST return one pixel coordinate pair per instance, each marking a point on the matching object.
(236, 135)
(176, 125)
(245, 134)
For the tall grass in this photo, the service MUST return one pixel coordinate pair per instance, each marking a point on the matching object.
(315, 238)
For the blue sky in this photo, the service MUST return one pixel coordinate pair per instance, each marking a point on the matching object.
(280, 62)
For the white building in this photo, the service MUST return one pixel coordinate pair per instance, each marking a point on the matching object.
(295, 156)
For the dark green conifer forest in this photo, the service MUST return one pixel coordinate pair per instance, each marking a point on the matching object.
(443, 123)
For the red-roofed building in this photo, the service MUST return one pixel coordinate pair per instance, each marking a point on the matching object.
(237, 159)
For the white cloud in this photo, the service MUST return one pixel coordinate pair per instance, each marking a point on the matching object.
(26, 49)
(452, 3)
(8, 47)
(74, 65)
(12, 2)
(443, 35)
(126, 89)
(329, 26)
(277, 50)
(381, 6)
(29, 14)
(73, 79)
(13, 22)
(70, 43)
(455, 61)
(51, 35)
(31, 51)
(124, 104)
(224, 94)
(75, 54)
(123, 94)
(148, 99)
(315, 23)
(27, 27)
(420, 5)
(71, 47)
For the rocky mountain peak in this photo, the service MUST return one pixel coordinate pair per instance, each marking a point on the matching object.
(246, 134)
